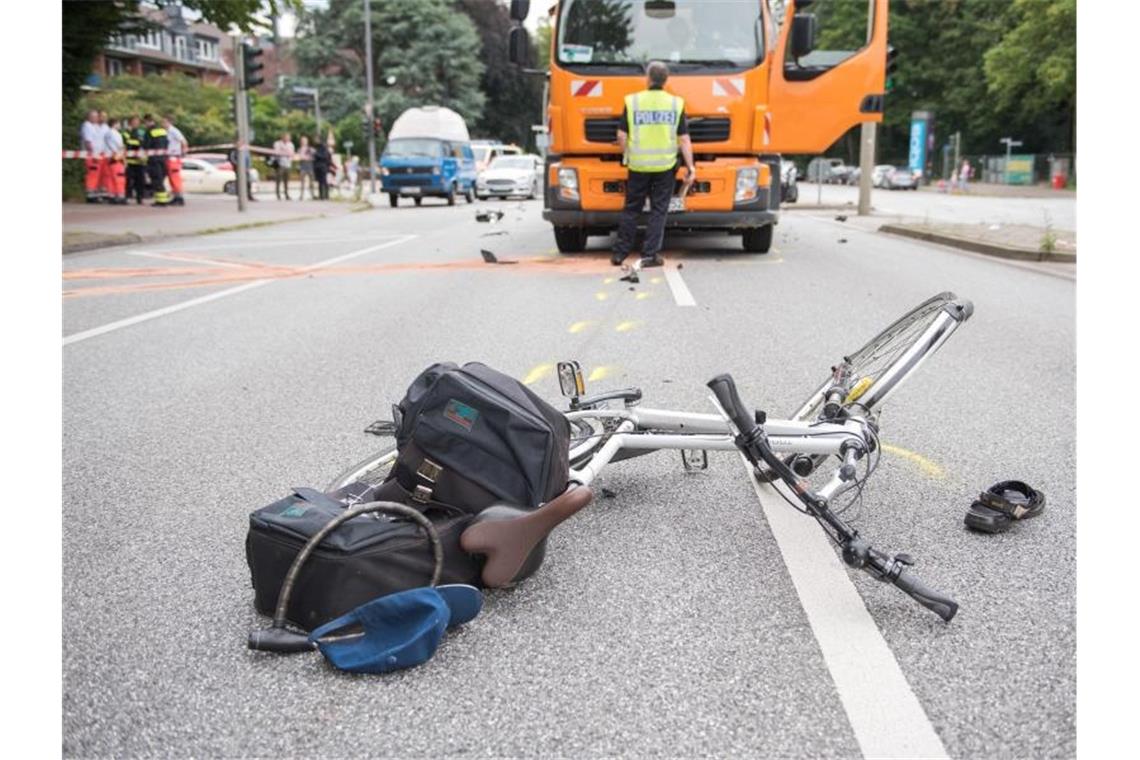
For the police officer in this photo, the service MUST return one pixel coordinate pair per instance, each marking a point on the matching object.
(653, 127)
(156, 139)
(136, 165)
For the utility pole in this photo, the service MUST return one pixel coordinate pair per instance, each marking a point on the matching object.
(368, 64)
(242, 119)
(867, 140)
(957, 153)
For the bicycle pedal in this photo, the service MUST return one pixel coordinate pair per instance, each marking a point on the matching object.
(383, 428)
(694, 459)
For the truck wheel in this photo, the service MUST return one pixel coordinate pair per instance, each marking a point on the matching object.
(451, 196)
(793, 194)
(470, 194)
(570, 239)
(758, 239)
(418, 200)
(393, 200)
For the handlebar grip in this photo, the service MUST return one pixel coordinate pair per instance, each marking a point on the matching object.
(943, 606)
(724, 388)
(280, 640)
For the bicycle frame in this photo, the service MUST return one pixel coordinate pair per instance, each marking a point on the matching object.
(661, 429)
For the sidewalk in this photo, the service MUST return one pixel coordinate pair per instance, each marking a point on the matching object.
(1010, 241)
(87, 226)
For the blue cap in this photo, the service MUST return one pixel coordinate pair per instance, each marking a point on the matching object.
(401, 630)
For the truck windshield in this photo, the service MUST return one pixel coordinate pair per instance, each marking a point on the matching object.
(414, 146)
(700, 33)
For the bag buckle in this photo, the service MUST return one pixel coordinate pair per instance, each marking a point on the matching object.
(429, 471)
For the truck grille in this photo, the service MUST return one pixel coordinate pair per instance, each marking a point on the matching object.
(401, 170)
(701, 129)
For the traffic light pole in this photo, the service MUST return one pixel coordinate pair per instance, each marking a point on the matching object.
(867, 144)
(368, 63)
(242, 146)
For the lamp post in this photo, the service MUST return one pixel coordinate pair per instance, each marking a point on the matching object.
(368, 63)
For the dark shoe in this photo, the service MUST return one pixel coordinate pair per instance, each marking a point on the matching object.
(617, 258)
(652, 261)
(178, 201)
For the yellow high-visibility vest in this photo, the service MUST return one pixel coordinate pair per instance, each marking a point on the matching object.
(652, 121)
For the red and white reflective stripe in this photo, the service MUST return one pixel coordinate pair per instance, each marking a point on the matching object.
(586, 88)
(156, 152)
(767, 128)
(728, 86)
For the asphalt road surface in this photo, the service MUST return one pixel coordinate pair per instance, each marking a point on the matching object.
(683, 617)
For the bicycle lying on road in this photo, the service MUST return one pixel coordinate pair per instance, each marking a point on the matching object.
(838, 424)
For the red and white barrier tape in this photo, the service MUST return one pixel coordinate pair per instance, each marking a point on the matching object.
(157, 152)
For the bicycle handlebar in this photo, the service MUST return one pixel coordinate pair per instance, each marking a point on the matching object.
(942, 606)
(857, 552)
(724, 388)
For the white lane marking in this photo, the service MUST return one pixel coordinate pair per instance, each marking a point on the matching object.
(187, 259)
(884, 713)
(146, 316)
(680, 290)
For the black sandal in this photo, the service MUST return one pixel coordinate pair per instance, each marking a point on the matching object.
(1002, 503)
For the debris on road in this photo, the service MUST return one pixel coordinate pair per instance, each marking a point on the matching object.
(491, 258)
(489, 215)
(842, 240)
(841, 218)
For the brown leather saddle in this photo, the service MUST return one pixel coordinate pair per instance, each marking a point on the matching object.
(514, 540)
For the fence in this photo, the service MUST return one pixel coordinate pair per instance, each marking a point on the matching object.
(1023, 169)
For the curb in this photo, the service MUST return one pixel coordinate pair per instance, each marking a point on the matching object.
(131, 238)
(977, 246)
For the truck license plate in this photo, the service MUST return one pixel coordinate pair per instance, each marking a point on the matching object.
(409, 191)
(676, 204)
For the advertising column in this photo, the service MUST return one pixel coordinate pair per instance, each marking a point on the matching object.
(921, 138)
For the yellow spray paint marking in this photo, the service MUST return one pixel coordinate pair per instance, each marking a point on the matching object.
(601, 295)
(656, 281)
(642, 296)
(924, 464)
(599, 373)
(578, 327)
(537, 373)
(609, 281)
(627, 325)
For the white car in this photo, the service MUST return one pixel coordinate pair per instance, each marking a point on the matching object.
(879, 175)
(212, 173)
(510, 175)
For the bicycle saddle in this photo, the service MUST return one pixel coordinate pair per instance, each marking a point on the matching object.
(514, 540)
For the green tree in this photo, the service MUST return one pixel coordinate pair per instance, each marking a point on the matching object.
(542, 35)
(514, 99)
(1032, 71)
(88, 25)
(428, 50)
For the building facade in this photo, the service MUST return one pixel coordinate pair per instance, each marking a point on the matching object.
(172, 45)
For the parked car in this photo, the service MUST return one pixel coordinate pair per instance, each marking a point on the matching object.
(487, 151)
(201, 175)
(826, 170)
(789, 191)
(853, 176)
(902, 178)
(879, 175)
(428, 153)
(219, 162)
(510, 175)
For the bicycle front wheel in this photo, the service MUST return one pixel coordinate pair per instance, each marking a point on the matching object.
(869, 375)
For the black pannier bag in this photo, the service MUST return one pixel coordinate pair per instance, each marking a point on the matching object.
(367, 557)
(472, 437)
(468, 438)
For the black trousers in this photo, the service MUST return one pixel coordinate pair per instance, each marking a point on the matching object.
(322, 183)
(281, 177)
(658, 187)
(156, 168)
(136, 181)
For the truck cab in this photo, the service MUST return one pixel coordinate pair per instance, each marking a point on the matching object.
(752, 88)
(428, 154)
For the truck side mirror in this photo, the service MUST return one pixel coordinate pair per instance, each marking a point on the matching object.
(519, 46)
(520, 9)
(803, 34)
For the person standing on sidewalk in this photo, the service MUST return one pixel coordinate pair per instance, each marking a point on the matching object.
(106, 181)
(113, 142)
(283, 151)
(322, 161)
(136, 165)
(305, 156)
(653, 127)
(176, 147)
(156, 140)
(88, 137)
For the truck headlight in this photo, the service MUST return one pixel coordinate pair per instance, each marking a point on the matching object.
(746, 184)
(384, 171)
(568, 184)
(435, 170)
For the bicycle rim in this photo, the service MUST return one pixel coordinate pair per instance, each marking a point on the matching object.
(866, 365)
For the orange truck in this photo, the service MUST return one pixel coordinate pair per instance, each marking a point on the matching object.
(754, 87)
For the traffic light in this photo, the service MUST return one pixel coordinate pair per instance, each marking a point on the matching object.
(252, 66)
(892, 67)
